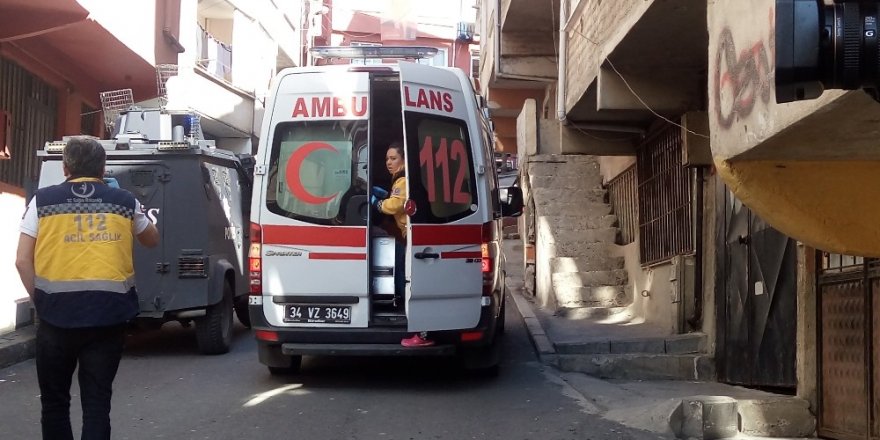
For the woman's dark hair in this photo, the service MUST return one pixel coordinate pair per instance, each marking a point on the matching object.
(398, 145)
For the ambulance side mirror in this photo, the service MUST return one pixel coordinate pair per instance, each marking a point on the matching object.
(511, 201)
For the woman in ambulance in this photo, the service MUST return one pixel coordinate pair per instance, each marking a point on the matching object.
(393, 204)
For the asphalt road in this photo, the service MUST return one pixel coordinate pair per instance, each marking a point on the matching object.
(166, 390)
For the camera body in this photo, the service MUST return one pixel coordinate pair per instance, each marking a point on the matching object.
(823, 46)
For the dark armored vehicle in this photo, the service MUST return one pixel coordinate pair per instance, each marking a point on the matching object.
(199, 198)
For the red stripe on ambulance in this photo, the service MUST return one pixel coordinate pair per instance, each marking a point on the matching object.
(427, 235)
(336, 256)
(315, 235)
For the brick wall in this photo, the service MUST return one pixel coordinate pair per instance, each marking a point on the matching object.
(594, 30)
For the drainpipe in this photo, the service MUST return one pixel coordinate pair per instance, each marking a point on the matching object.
(697, 319)
(497, 63)
(563, 49)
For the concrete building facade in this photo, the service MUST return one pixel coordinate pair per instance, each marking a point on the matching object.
(676, 102)
(445, 26)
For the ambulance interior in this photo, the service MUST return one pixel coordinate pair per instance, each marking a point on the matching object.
(386, 126)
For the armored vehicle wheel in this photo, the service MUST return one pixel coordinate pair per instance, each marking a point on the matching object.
(214, 331)
(241, 311)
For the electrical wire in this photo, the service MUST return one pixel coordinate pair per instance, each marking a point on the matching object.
(637, 96)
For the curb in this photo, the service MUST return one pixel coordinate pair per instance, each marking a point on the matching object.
(17, 346)
(545, 348)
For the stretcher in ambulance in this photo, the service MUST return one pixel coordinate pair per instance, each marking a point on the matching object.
(322, 258)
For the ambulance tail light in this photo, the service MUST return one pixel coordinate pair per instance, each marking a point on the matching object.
(472, 336)
(266, 335)
(487, 260)
(255, 260)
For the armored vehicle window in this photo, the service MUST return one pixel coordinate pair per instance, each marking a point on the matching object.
(440, 168)
(314, 171)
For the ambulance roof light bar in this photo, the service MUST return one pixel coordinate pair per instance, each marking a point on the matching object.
(384, 52)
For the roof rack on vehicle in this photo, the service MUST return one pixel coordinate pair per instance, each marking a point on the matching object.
(364, 52)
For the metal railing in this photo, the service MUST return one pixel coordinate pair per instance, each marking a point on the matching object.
(623, 195)
(665, 198)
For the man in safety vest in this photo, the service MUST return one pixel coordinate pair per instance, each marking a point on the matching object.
(75, 261)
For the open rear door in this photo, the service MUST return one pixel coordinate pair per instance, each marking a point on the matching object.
(314, 227)
(445, 231)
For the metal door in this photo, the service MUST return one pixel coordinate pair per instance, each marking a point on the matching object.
(446, 222)
(757, 298)
(849, 336)
(147, 182)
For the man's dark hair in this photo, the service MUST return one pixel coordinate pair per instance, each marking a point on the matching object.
(84, 157)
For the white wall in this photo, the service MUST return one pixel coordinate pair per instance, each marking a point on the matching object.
(12, 206)
(651, 290)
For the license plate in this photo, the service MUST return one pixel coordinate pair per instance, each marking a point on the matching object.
(317, 314)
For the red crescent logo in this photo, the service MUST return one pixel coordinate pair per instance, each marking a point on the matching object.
(294, 184)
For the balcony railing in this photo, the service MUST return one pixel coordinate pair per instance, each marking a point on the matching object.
(215, 57)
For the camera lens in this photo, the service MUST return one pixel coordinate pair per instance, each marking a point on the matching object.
(854, 58)
(825, 47)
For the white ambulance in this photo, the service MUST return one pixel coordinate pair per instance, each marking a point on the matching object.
(322, 259)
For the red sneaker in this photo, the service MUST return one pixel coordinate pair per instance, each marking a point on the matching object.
(416, 341)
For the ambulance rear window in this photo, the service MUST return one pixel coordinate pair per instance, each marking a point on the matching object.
(313, 171)
(440, 168)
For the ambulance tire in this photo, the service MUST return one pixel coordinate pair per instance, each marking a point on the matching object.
(214, 331)
(484, 362)
(499, 323)
(241, 311)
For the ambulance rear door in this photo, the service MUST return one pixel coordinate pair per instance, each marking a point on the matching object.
(314, 229)
(445, 230)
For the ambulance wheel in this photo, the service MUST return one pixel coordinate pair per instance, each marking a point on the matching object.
(214, 331)
(483, 361)
(241, 311)
(499, 323)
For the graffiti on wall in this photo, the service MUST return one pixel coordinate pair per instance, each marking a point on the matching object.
(743, 79)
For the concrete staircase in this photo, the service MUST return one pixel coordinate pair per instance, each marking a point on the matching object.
(574, 229)
(581, 284)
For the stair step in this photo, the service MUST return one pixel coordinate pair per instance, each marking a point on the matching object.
(691, 343)
(640, 366)
(585, 263)
(587, 257)
(580, 313)
(591, 296)
(576, 222)
(566, 158)
(553, 194)
(617, 277)
(569, 181)
(561, 233)
(589, 173)
(584, 209)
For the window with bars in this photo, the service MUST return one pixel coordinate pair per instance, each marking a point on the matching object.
(622, 193)
(836, 263)
(665, 198)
